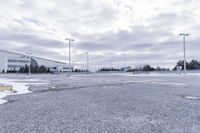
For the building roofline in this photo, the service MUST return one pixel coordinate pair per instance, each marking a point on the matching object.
(32, 56)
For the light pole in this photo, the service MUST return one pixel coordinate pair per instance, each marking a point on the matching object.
(17, 66)
(87, 62)
(70, 40)
(29, 68)
(184, 53)
(124, 55)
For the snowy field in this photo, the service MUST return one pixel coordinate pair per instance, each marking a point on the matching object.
(118, 102)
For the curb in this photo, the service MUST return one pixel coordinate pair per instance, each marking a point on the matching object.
(6, 87)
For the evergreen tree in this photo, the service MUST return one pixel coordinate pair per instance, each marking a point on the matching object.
(42, 69)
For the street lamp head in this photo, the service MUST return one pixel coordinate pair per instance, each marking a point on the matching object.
(69, 39)
(184, 34)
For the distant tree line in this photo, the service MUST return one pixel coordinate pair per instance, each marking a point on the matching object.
(80, 70)
(105, 69)
(34, 69)
(145, 67)
(192, 65)
(148, 67)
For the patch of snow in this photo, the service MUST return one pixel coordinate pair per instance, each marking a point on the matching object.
(20, 87)
(192, 97)
(154, 74)
(177, 84)
(194, 74)
(4, 94)
(157, 75)
(156, 82)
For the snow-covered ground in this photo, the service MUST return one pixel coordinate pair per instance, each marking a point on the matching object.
(20, 86)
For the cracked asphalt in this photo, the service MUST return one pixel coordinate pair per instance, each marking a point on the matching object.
(105, 103)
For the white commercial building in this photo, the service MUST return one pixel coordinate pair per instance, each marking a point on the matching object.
(10, 61)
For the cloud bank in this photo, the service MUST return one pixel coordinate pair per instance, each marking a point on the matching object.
(146, 31)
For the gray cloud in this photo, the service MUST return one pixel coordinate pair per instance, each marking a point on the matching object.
(33, 40)
(146, 31)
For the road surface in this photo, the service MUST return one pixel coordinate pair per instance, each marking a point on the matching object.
(105, 103)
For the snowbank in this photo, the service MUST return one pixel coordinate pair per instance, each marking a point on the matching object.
(19, 85)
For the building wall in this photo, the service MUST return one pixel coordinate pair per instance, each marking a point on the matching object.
(54, 66)
(12, 61)
(3, 64)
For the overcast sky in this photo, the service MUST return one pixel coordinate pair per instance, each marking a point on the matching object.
(146, 31)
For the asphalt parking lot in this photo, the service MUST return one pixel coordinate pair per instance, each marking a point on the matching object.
(105, 103)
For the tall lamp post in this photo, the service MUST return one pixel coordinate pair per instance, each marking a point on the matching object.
(17, 66)
(70, 40)
(87, 62)
(184, 49)
(29, 66)
(124, 55)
